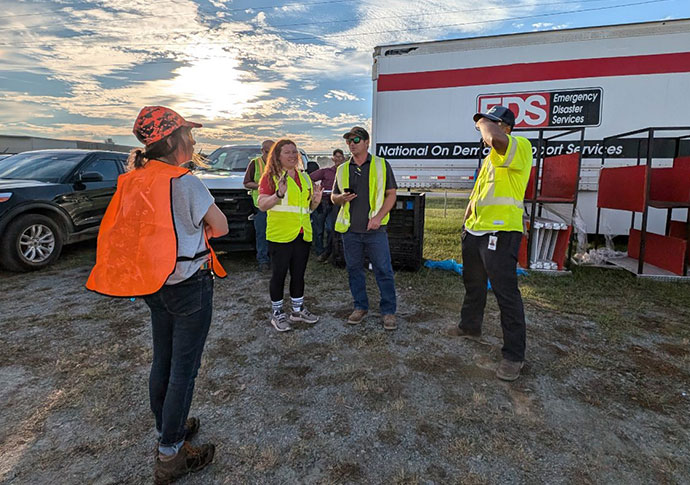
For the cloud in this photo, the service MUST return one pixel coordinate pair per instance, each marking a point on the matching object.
(341, 95)
(548, 26)
(239, 72)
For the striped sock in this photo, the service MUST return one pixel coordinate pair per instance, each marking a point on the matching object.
(297, 303)
(277, 306)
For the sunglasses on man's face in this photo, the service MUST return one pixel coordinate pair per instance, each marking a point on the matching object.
(354, 139)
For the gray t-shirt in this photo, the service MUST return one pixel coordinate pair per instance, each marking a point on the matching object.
(359, 182)
(190, 200)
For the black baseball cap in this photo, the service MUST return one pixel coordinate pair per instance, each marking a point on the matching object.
(497, 113)
(357, 131)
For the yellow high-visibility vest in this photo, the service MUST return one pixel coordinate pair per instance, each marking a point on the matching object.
(258, 172)
(496, 202)
(288, 217)
(377, 191)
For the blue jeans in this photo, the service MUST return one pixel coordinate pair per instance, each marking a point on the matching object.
(261, 244)
(330, 228)
(318, 221)
(375, 246)
(180, 319)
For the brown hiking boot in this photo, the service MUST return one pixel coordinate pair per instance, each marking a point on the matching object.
(508, 370)
(191, 428)
(456, 331)
(356, 316)
(389, 322)
(189, 459)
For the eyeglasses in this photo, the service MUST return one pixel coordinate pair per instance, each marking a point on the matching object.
(354, 139)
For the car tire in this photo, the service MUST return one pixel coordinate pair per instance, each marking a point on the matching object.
(30, 242)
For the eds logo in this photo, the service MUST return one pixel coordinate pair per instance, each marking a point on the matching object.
(548, 108)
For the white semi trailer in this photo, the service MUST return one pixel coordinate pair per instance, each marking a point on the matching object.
(610, 80)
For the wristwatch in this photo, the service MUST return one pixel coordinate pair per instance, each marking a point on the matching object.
(279, 196)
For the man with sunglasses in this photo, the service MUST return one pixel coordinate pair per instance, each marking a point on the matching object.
(251, 181)
(365, 190)
(491, 237)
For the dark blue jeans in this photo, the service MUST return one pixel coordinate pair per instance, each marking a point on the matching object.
(260, 230)
(180, 319)
(320, 219)
(330, 228)
(375, 246)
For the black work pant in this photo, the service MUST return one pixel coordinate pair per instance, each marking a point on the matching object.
(292, 256)
(499, 266)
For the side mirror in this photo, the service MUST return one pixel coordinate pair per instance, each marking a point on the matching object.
(89, 177)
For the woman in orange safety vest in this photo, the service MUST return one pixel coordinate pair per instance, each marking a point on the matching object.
(288, 196)
(153, 242)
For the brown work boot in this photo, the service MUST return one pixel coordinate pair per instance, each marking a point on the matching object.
(508, 370)
(191, 428)
(389, 322)
(188, 460)
(356, 316)
(456, 331)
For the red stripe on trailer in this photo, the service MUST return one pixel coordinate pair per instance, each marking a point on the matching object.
(537, 71)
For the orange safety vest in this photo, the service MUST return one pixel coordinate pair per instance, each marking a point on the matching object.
(137, 243)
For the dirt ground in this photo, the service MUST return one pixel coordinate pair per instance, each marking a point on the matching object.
(605, 395)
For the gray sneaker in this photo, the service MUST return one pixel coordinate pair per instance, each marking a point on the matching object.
(303, 315)
(508, 370)
(280, 322)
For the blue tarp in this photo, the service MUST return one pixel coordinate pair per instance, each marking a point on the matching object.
(452, 265)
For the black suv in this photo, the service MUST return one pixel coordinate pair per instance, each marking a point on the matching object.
(49, 198)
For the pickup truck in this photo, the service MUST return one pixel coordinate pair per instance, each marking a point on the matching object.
(224, 177)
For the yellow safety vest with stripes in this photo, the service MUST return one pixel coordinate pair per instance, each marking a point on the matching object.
(258, 172)
(377, 191)
(496, 202)
(288, 217)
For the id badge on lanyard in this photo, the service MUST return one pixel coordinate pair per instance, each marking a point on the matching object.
(493, 240)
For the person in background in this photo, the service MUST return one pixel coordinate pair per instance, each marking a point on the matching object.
(287, 195)
(312, 167)
(492, 232)
(153, 242)
(323, 217)
(365, 190)
(251, 181)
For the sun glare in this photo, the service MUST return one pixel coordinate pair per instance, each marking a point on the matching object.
(212, 86)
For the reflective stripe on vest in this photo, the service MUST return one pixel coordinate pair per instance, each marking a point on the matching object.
(285, 219)
(137, 243)
(258, 172)
(504, 212)
(377, 191)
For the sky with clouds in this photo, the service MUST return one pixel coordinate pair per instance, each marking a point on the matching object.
(246, 69)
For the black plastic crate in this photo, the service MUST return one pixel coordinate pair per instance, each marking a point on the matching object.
(405, 233)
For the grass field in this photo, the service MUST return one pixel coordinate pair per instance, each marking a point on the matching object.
(442, 228)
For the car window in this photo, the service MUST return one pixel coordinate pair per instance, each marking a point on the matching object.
(106, 167)
(43, 166)
(232, 159)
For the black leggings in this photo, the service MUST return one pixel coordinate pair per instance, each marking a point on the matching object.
(291, 256)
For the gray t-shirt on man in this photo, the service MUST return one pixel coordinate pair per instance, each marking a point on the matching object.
(359, 182)
(190, 200)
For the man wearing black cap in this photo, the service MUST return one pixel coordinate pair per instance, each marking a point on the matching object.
(491, 237)
(364, 189)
